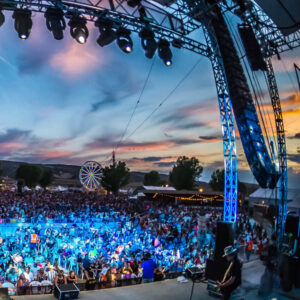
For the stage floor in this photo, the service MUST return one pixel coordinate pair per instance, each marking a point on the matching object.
(173, 290)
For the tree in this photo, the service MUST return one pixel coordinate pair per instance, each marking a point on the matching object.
(152, 178)
(47, 178)
(217, 182)
(31, 174)
(115, 176)
(185, 173)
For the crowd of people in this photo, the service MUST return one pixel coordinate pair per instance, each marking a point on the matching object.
(64, 237)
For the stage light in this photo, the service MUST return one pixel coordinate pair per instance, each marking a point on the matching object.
(23, 23)
(107, 33)
(148, 42)
(55, 22)
(133, 3)
(165, 52)
(2, 18)
(78, 29)
(124, 40)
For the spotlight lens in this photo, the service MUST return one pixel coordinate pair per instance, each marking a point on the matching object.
(168, 63)
(128, 49)
(81, 39)
(23, 36)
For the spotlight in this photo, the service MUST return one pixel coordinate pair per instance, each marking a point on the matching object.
(124, 40)
(55, 22)
(23, 23)
(107, 33)
(165, 52)
(78, 29)
(148, 42)
(133, 3)
(2, 18)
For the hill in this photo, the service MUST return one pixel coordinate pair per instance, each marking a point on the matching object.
(66, 175)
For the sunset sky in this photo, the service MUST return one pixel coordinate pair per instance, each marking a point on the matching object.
(62, 102)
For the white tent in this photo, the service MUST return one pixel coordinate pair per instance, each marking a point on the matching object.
(60, 189)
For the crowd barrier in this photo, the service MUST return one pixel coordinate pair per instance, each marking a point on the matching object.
(49, 289)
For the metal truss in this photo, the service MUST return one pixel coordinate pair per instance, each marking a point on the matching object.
(164, 22)
(268, 35)
(282, 157)
(228, 131)
(268, 49)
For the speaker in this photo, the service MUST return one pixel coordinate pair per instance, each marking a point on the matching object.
(3, 293)
(215, 269)
(67, 291)
(224, 238)
(194, 273)
(292, 225)
(287, 272)
(252, 48)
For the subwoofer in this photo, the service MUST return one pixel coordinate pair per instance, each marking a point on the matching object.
(67, 291)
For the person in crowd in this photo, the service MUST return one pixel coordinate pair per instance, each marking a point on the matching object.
(41, 275)
(22, 281)
(28, 274)
(249, 248)
(148, 267)
(60, 278)
(51, 274)
(90, 283)
(107, 234)
(72, 278)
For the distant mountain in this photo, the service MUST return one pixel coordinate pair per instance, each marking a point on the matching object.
(67, 175)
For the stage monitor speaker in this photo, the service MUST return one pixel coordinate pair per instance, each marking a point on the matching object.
(224, 238)
(292, 225)
(194, 273)
(215, 269)
(3, 293)
(67, 291)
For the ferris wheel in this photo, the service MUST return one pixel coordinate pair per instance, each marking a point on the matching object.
(90, 175)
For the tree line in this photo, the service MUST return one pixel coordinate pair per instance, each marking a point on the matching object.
(184, 176)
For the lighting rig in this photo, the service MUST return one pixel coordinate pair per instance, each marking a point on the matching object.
(109, 31)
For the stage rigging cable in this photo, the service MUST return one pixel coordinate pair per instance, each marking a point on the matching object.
(165, 99)
(136, 105)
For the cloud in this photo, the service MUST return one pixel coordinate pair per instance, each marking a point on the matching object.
(294, 157)
(113, 89)
(296, 136)
(23, 145)
(210, 139)
(13, 135)
(76, 59)
(165, 164)
(153, 158)
(109, 142)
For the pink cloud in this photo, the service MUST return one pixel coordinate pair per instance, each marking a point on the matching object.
(10, 146)
(76, 59)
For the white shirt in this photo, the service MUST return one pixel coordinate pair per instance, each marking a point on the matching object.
(29, 276)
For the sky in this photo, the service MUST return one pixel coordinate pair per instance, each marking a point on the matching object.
(62, 102)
